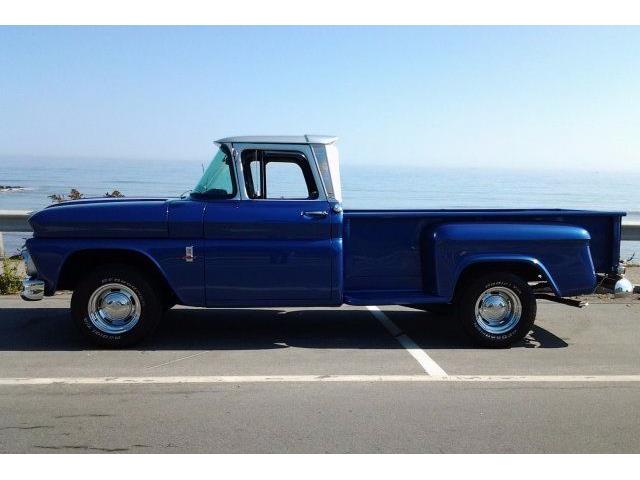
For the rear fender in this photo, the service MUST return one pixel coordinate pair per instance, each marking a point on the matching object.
(507, 263)
(559, 252)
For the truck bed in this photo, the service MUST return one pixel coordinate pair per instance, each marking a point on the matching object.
(392, 254)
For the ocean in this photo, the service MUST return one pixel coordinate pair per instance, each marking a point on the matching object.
(364, 186)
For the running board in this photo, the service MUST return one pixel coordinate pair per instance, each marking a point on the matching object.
(565, 301)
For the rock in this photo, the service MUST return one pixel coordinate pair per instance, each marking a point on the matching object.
(10, 188)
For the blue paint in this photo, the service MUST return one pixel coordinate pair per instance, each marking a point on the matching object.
(103, 218)
(264, 253)
(267, 252)
(185, 279)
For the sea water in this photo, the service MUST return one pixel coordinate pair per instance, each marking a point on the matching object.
(375, 186)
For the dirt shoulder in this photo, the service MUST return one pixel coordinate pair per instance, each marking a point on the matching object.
(633, 274)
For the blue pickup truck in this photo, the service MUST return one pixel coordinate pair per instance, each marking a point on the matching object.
(265, 227)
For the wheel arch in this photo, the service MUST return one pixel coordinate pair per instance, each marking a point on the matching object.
(77, 264)
(527, 268)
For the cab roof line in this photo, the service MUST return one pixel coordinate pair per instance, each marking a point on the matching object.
(304, 139)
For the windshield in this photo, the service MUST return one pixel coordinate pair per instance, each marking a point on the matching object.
(217, 180)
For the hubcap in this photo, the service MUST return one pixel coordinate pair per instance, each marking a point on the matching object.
(114, 308)
(498, 310)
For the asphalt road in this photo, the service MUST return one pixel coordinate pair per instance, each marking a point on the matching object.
(320, 380)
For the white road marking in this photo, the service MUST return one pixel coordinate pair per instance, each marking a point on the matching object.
(425, 361)
(175, 360)
(321, 378)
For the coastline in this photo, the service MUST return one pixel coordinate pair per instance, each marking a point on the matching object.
(11, 188)
(367, 186)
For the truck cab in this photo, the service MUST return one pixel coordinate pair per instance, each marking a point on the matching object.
(265, 227)
(271, 219)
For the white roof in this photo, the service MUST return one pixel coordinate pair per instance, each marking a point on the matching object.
(322, 139)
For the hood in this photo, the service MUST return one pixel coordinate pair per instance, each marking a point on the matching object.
(103, 218)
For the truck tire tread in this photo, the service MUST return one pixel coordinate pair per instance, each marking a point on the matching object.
(465, 303)
(130, 277)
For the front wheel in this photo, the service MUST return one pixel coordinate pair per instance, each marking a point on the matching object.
(497, 309)
(115, 306)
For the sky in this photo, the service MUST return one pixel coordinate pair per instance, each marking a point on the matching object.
(500, 97)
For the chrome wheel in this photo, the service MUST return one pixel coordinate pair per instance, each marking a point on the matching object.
(498, 310)
(114, 308)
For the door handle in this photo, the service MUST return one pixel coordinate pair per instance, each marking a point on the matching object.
(315, 214)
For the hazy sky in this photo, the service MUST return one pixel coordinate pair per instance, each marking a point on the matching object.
(516, 96)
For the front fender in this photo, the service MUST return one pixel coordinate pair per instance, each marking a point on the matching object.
(186, 279)
(560, 252)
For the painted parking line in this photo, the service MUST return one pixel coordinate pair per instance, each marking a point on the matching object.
(426, 362)
(176, 360)
(420, 378)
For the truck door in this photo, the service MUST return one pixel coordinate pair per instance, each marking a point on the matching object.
(275, 247)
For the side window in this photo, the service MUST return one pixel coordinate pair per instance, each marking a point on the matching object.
(256, 175)
(252, 169)
(285, 180)
(325, 172)
(278, 176)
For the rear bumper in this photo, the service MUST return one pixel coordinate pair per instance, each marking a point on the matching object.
(32, 289)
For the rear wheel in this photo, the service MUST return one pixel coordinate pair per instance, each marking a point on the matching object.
(496, 309)
(116, 306)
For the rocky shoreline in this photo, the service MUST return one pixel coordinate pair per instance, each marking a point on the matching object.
(10, 188)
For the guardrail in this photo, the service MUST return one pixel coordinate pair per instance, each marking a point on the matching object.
(16, 221)
(13, 221)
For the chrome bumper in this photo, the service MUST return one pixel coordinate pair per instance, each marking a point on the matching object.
(623, 287)
(32, 289)
(616, 283)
